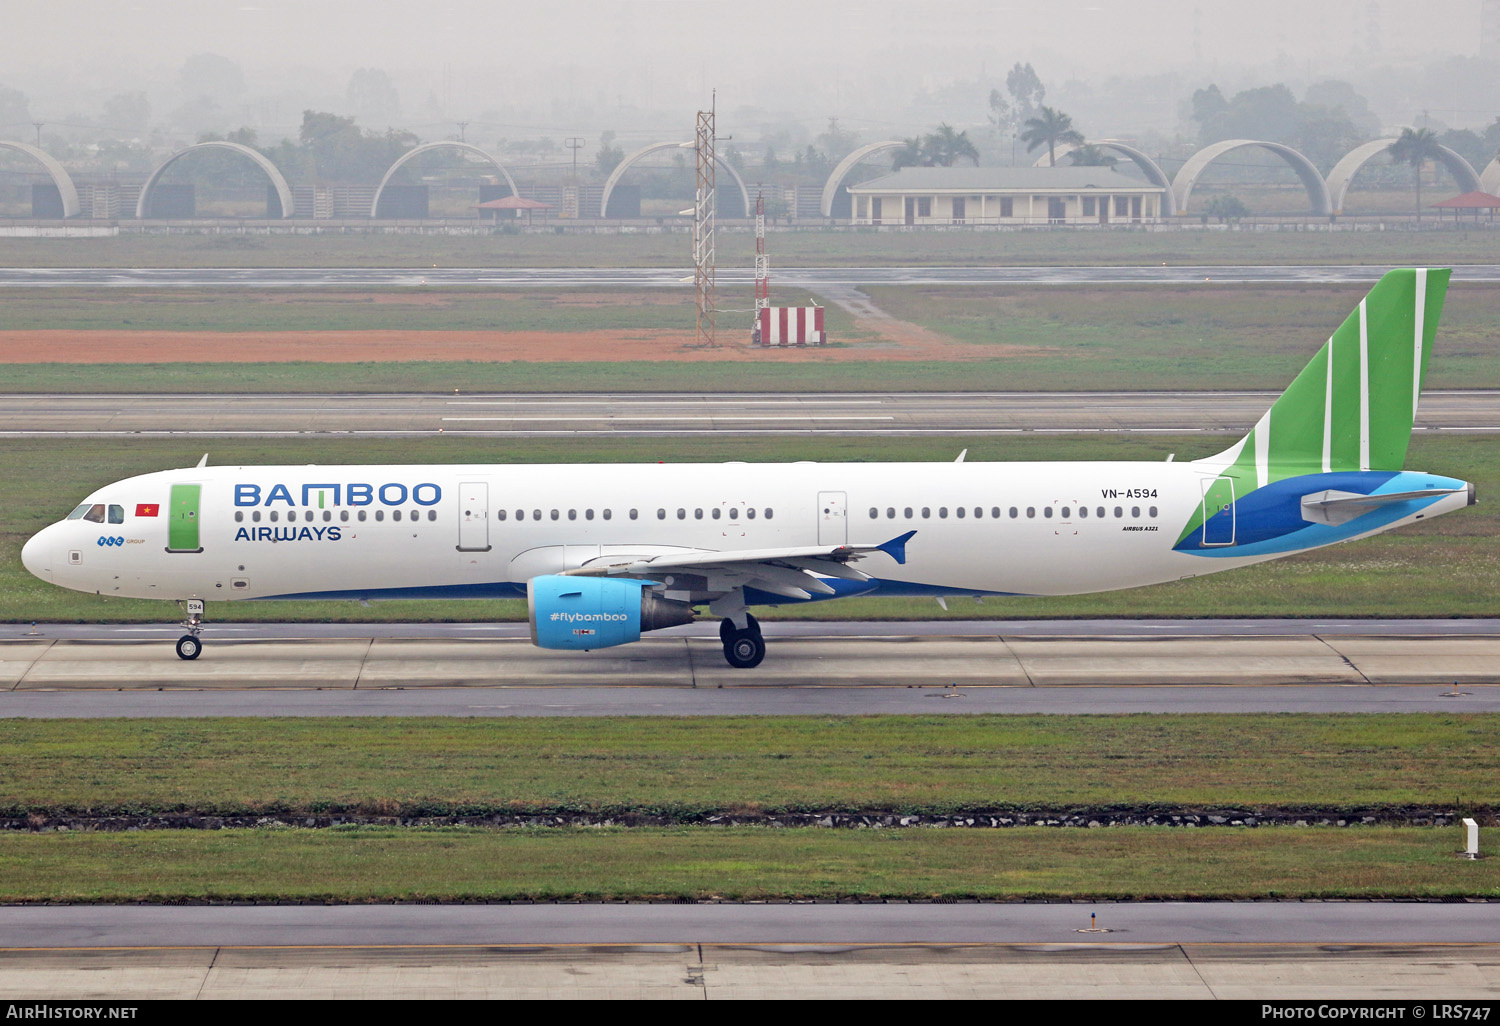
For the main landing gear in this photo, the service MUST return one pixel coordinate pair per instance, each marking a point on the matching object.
(189, 646)
(743, 646)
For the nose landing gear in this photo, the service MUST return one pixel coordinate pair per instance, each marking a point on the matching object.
(189, 646)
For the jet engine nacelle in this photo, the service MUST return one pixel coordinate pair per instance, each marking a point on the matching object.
(582, 613)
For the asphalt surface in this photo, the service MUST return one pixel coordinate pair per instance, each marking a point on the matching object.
(673, 277)
(484, 670)
(811, 923)
(658, 415)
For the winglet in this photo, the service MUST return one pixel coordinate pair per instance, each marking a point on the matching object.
(204, 461)
(896, 547)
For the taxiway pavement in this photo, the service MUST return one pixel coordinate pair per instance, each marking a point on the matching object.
(658, 415)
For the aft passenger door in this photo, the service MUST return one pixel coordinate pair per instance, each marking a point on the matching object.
(1218, 498)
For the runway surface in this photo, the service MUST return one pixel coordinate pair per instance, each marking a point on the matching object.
(673, 277)
(811, 669)
(658, 415)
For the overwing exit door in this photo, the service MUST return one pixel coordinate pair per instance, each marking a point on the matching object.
(833, 522)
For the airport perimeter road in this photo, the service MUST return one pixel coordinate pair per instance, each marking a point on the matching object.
(480, 670)
(672, 277)
(628, 415)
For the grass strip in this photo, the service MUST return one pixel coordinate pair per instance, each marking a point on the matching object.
(1011, 338)
(687, 768)
(1454, 557)
(745, 863)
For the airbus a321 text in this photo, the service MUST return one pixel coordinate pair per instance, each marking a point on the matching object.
(604, 553)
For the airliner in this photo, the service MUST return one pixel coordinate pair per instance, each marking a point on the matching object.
(605, 553)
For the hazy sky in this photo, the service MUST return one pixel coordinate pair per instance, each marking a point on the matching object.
(855, 58)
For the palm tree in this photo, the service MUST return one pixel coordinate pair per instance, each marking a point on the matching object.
(945, 147)
(1050, 127)
(911, 154)
(1416, 146)
(1090, 155)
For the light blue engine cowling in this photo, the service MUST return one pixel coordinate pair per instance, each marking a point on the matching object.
(583, 613)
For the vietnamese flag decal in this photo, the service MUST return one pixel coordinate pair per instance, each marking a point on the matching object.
(148, 509)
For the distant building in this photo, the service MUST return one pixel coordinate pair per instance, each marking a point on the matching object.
(1006, 196)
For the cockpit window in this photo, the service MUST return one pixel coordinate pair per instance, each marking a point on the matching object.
(78, 513)
(95, 513)
(116, 514)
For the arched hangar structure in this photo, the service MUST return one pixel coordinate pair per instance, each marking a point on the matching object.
(56, 171)
(645, 151)
(1153, 172)
(1187, 176)
(1489, 178)
(842, 169)
(283, 190)
(1344, 171)
(428, 147)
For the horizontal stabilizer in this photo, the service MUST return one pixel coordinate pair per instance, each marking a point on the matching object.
(1335, 507)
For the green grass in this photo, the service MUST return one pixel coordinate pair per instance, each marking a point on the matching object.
(455, 864)
(787, 249)
(682, 768)
(1174, 337)
(1454, 558)
(1021, 338)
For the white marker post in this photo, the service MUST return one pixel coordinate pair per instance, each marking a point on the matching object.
(1472, 829)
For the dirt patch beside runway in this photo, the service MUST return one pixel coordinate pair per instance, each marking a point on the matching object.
(880, 340)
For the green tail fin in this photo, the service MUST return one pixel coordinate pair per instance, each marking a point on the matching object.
(1353, 406)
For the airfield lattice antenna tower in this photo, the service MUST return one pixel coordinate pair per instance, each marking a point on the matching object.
(703, 229)
(762, 258)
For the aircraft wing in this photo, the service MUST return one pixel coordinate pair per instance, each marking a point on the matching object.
(789, 572)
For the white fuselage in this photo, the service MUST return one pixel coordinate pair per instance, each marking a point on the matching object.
(485, 530)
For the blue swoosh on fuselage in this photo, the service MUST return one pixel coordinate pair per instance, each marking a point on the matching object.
(1269, 520)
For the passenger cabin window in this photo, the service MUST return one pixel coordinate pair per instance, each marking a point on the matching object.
(926, 512)
(588, 514)
(607, 514)
(717, 512)
(395, 514)
(276, 515)
(661, 514)
(379, 515)
(344, 515)
(500, 515)
(572, 514)
(697, 514)
(734, 513)
(681, 513)
(1047, 512)
(361, 516)
(239, 515)
(431, 514)
(554, 514)
(1152, 511)
(874, 512)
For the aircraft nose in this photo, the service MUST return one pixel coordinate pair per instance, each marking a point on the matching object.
(34, 557)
